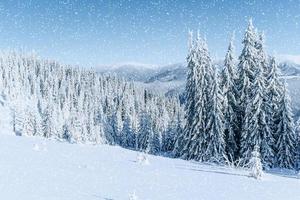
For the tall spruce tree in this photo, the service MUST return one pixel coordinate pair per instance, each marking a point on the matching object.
(215, 151)
(253, 115)
(202, 128)
(274, 89)
(183, 142)
(265, 111)
(247, 71)
(229, 92)
(199, 140)
(258, 86)
(285, 144)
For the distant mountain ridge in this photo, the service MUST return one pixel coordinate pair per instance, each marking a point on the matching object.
(170, 79)
(288, 68)
(130, 72)
(176, 72)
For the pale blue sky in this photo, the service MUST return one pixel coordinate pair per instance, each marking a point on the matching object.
(100, 32)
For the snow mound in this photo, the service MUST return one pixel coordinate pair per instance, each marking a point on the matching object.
(142, 159)
(133, 196)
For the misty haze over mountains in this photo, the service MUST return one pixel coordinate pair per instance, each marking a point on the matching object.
(170, 79)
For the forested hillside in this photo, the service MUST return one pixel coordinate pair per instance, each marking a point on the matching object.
(230, 114)
(55, 101)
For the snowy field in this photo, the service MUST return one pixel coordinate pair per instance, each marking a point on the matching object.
(36, 168)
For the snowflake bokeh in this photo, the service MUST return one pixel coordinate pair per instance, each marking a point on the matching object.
(93, 32)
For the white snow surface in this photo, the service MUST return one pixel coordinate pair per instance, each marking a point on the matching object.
(33, 168)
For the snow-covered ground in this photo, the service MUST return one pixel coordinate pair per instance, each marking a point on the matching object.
(36, 168)
(33, 168)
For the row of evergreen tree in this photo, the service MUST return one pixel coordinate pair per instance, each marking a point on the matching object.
(245, 106)
(81, 106)
(227, 114)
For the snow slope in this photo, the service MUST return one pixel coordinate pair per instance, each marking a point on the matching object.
(33, 168)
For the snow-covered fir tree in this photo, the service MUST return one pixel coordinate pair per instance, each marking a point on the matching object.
(253, 101)
(266, 115)
(194, 133)
(198, 137)
(215, 151)
(246, 72)
(285, 144)
(79, 105)
(274, 93)
(203, 130)
(229, 92)
(182, 144)
(224, 116)
(246, 75)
